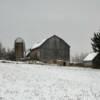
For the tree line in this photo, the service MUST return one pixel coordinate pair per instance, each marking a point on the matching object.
(6, 54)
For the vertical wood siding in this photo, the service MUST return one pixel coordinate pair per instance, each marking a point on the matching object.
(54, 49)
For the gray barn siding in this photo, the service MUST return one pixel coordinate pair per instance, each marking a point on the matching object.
(54, 48)
(35, 54)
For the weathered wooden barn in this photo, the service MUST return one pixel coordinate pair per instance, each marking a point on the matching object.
(51, 50)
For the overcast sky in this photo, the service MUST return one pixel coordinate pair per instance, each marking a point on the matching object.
(75, 21)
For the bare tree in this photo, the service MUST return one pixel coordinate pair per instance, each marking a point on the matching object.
(79, 58)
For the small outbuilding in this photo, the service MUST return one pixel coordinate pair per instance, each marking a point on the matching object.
(92, 60)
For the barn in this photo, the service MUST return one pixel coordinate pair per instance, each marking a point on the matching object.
(51, 50)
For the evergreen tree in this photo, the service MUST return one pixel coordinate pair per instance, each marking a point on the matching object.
(96, 42)
(96, 48)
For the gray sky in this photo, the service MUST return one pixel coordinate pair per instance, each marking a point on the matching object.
(73, 20)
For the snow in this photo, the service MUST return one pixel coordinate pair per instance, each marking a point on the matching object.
(36, 45)
(91, 56)
(27, 52)
(45, 82)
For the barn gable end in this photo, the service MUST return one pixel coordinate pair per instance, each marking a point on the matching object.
(51, 50)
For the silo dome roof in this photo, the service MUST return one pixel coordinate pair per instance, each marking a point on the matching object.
(19, 40)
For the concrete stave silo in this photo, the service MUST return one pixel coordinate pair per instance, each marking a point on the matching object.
(19, 49)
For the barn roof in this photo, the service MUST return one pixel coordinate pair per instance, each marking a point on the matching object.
(38, 44)
(90, 56)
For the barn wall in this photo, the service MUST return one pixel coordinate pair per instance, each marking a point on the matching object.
(35, 54)
(88, 63)
(54, 48)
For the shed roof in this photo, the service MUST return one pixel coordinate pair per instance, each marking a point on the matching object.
(91, 56)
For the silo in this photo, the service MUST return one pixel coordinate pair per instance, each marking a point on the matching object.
(19, 49)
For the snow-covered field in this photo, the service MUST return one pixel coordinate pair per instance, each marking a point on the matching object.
(44, 82)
